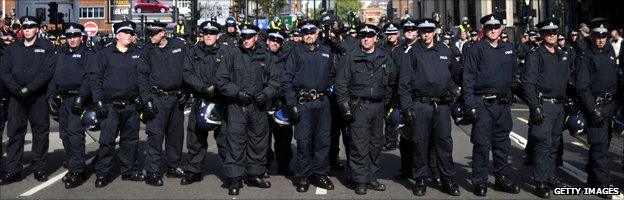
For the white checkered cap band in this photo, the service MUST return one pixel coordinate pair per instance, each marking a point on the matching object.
(367, 29)
(409, 23)
(28, 22)
(550, 26)
(601, 29)
(128, 27)
(72, 29)
(277, 35)
(390, 31)
(155, 27)
(308, 26)
(492, 21)
(426, 24)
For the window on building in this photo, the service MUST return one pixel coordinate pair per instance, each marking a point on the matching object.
(92, 13)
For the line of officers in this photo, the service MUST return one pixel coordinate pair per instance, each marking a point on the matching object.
(323, 86)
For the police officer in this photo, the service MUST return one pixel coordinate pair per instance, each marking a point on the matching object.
(114, 89)
(161, 88)
(597, 85)
(361, 101)
(230, 37)
(392, 42)
(69, 93)
(280, 133)
(308, 74)
(545, 81)
(489, 69)
(199, 72)
(27, 67)
(426, 86)
(248, 77)
(405, 146)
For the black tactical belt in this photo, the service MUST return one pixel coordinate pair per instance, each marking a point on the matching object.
(369, 101)
(68, 94)
(424, 99)
(493, 98)
(305, 96)
(119, 104)
(165, 94)
(553, 100)
(603, 99)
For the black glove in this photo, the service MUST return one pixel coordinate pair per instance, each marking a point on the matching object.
(55, 102)
(448, 98)
(345, 110)
(101, 112)
(596, 118)
(183, 98)
(244, 98)
(209, 91)
(77, 105)
(408, 116)
(471, 116)
(295, 115)
(149, 112)
(536, 116)
(260, 98)
(24, 92)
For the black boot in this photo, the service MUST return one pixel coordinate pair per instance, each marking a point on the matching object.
(11, 177)
(154, 179)
(480, 190)
(175, 172)
(542, 190)
(133, 176)
(302, 184)
(376, 185)
(322, 182)
(41, 176)
(257, 181)
(336, 165)
(74, 179)
(265, 175)
(450, 187)
(190, 177)
(420, 187)
(360, 189)
(504, 184)
(101, 181)
(235, 186)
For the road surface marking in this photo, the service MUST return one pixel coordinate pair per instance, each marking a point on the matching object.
(43, 185)
(523, 120)
(519, 109)
(321, 191)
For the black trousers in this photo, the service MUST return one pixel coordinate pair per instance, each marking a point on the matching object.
(546, 139)
(246, 141)
(313, 138)
(282, 136)
(125, 123)
(432, 123)
(167, 127)
(197, 141)
(599, 139)
(490, 132)
(20, 114)
(73, 136)
(365, 141)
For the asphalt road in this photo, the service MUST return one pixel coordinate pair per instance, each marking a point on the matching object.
(572, 173)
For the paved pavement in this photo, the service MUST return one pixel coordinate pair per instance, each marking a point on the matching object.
(571, 173)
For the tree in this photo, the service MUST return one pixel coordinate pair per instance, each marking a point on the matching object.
(270, 8)
(342, 7)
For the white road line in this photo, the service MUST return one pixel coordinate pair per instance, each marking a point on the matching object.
(321, 191)
(573, 171)
(519, 109)
(523, 120)
(43, 185)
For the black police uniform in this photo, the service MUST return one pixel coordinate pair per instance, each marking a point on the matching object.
(426, 86)
(487, 77)
(390, 134)
(161, 84)
(363, 85)
(307, 76)
(70, 87)
(249, 79)
(545, 81)
(4, 101)
(597, 86)
(199, 73)
(114, 88)
(26, 72)
(229, 39)
(281, 134)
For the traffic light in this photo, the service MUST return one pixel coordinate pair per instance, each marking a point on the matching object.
(59, 18)
(53, 12)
